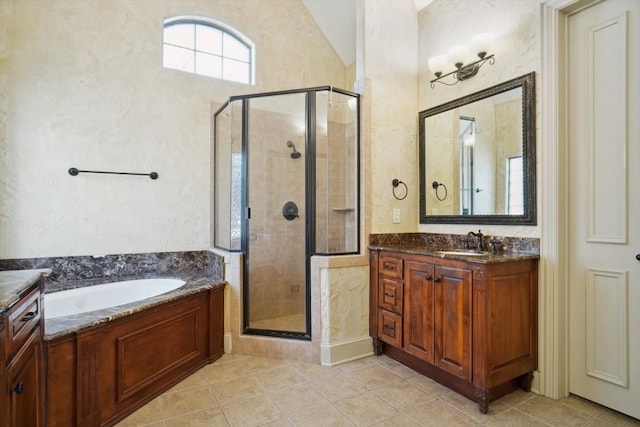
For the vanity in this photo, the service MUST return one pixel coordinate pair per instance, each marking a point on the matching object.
(22, 374)
(466, 320)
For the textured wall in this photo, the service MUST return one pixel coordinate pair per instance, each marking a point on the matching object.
(390, 64)
(82, 84)
(516, 26)
(344, 303)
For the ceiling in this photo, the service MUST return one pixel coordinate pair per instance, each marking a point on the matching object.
(337, 20)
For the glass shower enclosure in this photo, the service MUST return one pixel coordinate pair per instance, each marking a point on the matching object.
(286, 187)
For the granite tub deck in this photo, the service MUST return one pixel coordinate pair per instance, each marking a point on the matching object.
(14, 282)
(57, 327)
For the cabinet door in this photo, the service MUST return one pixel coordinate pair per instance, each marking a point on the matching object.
(25, 382)
(452, 322)
(418, 309)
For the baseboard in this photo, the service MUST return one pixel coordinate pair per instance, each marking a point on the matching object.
(345, 351)
(228, 348)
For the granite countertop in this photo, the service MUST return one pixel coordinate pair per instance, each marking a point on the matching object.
(59, 326)
(434, 251)
(13, 282)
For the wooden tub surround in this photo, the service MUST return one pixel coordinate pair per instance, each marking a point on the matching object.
(469, 323)
(100, 373)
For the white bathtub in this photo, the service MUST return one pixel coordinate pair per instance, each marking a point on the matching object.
(97, 297)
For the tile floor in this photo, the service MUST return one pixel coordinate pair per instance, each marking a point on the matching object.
(240, 390)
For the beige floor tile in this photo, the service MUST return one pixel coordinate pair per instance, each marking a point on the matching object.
(228, 357)
(156, 424)
(583, 405)
(515, 398)
(237, 388)
(185, 401)
(222, 371)
(553, 412)
(195, 380)
(374, 376)
(325, 415)
(298, 398)
(429, 385)
(243, 390)
(337, 388)
(514, 418)
(208, 418)
(149, 413)
(404, 395)
(396, 367)
(470, 408)
(254, 411)
(611, 418)
(278, 423)
(276, 378)
(258, 363)
(314, 371)
(437, 413)
(356, 364)
(365, 409)
(400, 420)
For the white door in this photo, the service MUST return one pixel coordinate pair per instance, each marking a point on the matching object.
(604, 177)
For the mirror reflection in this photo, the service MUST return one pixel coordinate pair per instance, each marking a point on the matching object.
(477, 161)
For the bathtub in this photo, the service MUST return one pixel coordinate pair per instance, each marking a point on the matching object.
(104, 363)
(97, 297)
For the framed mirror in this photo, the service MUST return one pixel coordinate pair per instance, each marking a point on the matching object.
(478, 157)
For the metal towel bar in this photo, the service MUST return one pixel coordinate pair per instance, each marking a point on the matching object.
(74, 172)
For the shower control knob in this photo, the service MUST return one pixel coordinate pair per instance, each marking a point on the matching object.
(290, 211)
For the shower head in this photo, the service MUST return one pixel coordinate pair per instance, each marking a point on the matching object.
(294, 154)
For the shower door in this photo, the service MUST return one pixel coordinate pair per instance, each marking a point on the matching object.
(275, 241)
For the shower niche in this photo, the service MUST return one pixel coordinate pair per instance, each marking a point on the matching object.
(286, 188)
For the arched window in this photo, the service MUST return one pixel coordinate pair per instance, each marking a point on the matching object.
(207, 47)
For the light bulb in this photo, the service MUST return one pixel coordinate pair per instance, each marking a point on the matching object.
(459, 55)
(437, 64)
(481, 44)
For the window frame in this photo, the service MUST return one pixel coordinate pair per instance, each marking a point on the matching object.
(218, 25)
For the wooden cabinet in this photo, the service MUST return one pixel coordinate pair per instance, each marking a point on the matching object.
(470, 326)
(23, 376)
(99, 375)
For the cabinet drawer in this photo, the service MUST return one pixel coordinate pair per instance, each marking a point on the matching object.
(390, 327)
(22, 319)
(391, 295)
(390, 267)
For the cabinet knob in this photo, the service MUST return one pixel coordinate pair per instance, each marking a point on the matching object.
(437, 279)
(18, 389)
(428, 277)
(638, 257)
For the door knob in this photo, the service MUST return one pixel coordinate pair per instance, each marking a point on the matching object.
(638, 257)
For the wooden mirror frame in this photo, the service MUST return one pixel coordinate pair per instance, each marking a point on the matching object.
(529, 216)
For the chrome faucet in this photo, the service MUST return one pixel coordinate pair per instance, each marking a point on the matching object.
(479, 240)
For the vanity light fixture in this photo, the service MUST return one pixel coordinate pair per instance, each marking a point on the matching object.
(459, 56)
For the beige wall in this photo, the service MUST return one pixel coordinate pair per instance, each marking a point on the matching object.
(516, 25)
(82, 85)
(388, 71)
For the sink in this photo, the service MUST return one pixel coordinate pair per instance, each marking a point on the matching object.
(463, 253)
